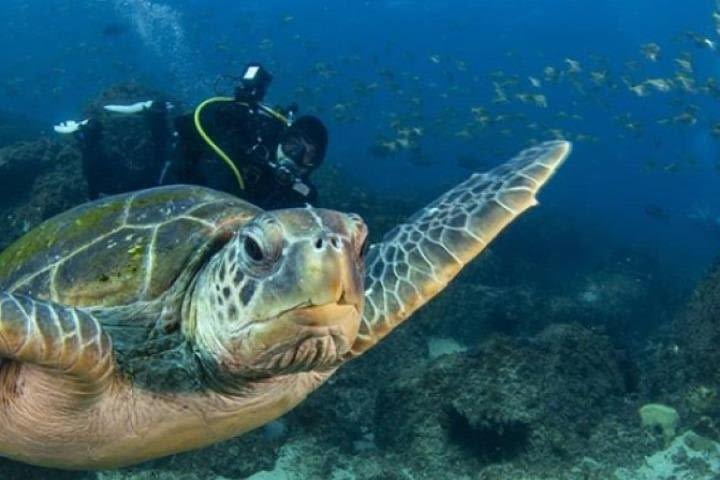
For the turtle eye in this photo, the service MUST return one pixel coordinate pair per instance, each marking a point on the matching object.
(253, 249)
(261, 245)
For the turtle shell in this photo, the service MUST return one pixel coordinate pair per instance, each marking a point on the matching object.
(123, 249)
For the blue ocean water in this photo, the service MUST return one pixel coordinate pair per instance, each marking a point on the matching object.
(433, 62)
(469, 83)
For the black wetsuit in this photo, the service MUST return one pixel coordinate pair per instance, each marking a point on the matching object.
(249, 137)
(94, 163)
(124, 155)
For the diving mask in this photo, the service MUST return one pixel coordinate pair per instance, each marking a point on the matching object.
(287, 172)
(299, 151)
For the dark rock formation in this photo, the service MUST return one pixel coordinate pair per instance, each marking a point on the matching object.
(15, 128)
(38, 179)
(235, 459)
(681, 362)
(508, 400)
(698, 331)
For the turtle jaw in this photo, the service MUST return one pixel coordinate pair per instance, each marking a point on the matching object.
(341, 321)
(324, 316)
(315, 337)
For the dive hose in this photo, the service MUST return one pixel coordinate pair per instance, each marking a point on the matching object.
(213, 145)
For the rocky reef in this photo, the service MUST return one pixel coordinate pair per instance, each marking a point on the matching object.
(509, 406)
(681, 361)
(40, 178)
(16, 128)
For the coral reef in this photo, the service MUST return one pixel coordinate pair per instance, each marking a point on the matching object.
(689, 457)
(680, 362)
(15, 128)
(662, 417)
(698, 331)
(237, 458)
(532, 403)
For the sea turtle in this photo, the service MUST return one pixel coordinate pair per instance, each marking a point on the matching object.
(159, 321)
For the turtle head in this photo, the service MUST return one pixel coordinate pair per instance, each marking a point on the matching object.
(284, 295)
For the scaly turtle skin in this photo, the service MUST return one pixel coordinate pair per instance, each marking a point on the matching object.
(160, 321)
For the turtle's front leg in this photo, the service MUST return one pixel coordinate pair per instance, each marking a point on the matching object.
(64, 339)
(417, 259)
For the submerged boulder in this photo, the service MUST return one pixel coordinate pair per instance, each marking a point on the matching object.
(15, 127)
(558, 396)
(681, 364)
(698, 330)
(688, 457)
(38, 179)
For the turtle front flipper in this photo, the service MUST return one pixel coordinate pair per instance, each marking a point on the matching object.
(55, 337)
(417, 259)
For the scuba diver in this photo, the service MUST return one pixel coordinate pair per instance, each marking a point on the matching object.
(270, 153)
(235, 144)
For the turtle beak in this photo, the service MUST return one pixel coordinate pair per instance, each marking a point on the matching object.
(331, 315)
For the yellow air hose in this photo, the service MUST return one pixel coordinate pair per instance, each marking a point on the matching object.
(211, 144)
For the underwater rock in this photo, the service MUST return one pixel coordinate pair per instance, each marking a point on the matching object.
(512, 310)
(10, 470)
(559, 395)
(698, 330)
(341, 413)
(680, 364)
(663, 417)
(15, 128)
(689, 457)
(622, 301)
(518, 292)
(22, 162)
(308, 458)
(438, 346)
(40, 178)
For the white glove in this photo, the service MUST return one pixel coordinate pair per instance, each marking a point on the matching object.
(69, 126)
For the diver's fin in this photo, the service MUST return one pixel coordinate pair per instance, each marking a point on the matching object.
(417, 259)
(136, 107)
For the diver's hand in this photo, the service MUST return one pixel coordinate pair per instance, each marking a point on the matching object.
(69, 126)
